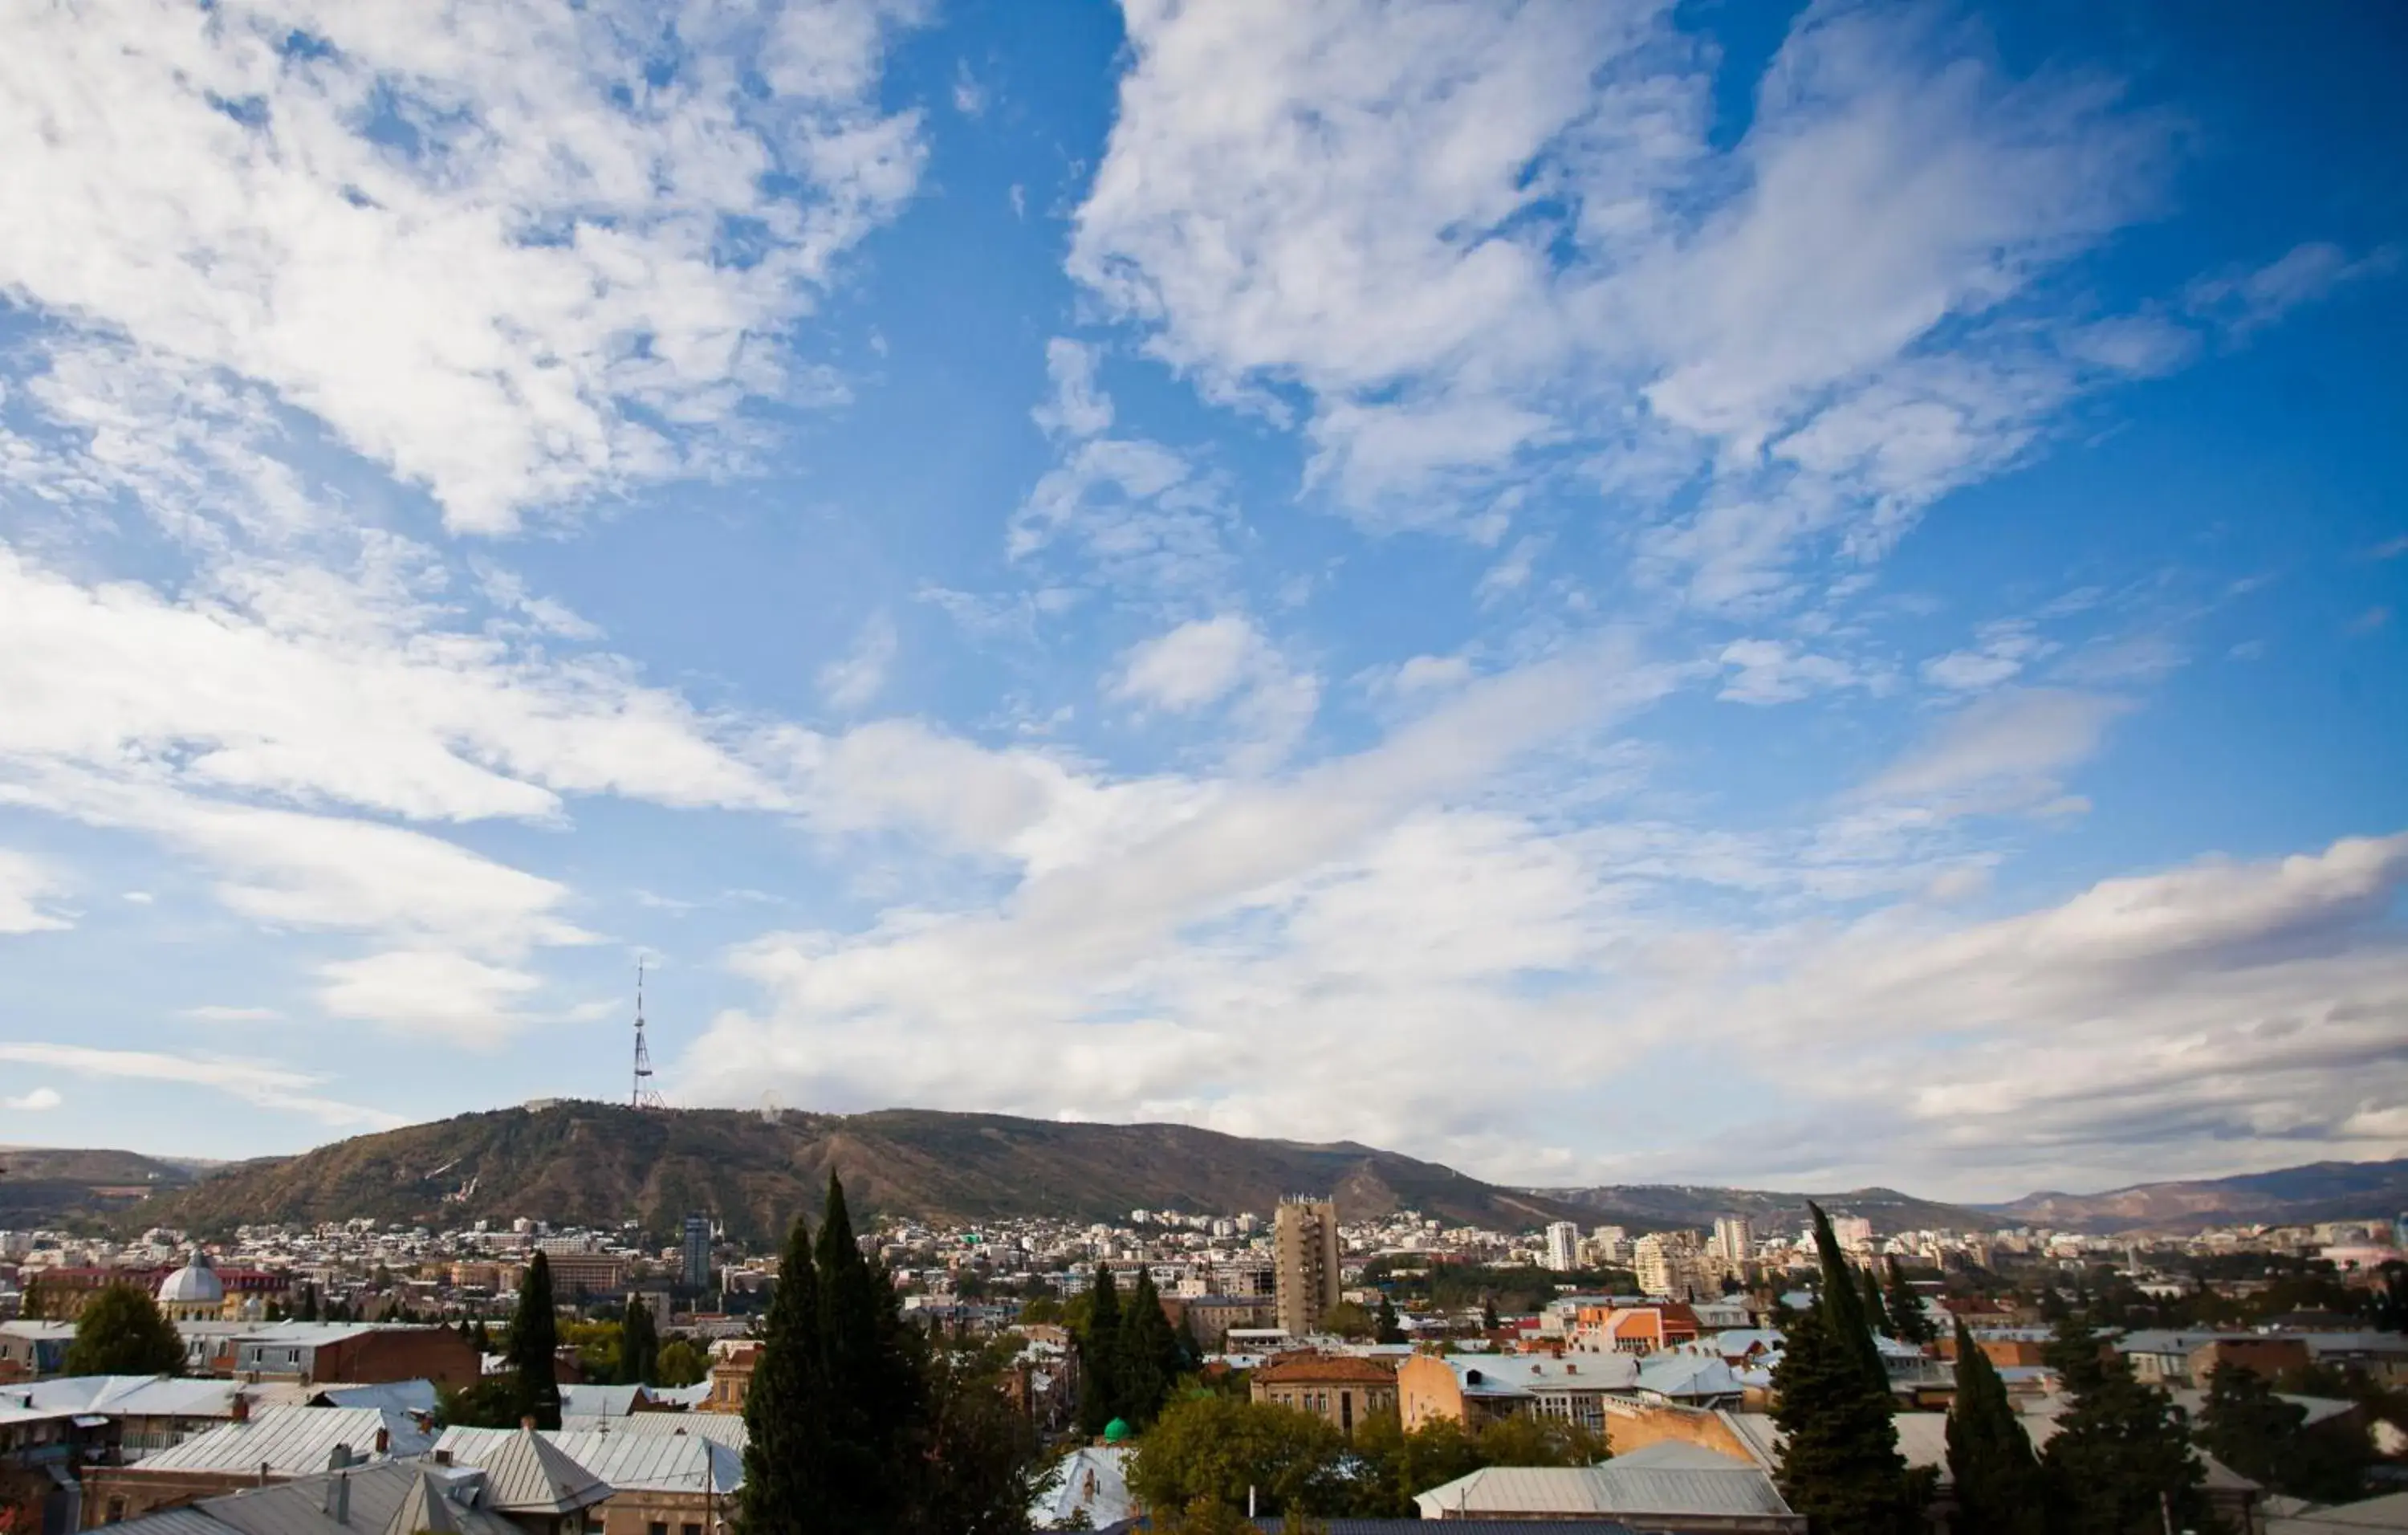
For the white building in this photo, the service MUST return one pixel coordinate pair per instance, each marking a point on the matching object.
(1734, 1239)
(1563, 1247)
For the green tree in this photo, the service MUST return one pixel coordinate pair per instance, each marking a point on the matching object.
(121, 1331)
(1347, 1319)
(680, 1363)
(32, 1306)
(1526, 1439)
(1099, 1361)
(2246, 1426)
(1488, 1317)
(535, 1347)
(1839, 1465)
(1040, 1308)
(2120, 1461)
(785, 1407)
(1208, 1446)
(1151, 1359)
(1869, 1295)
(876, 1391)
(1908, 1322)
(981, 1468)
(2000, 1490)
(639, 1343)
(491, 1402)
(1385, 1326)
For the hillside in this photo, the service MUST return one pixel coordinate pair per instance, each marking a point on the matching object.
(601, 1164)
(2321, 1191)
(1655, 1207)
(44, 1186)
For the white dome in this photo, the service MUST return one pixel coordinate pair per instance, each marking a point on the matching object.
(193, 1285)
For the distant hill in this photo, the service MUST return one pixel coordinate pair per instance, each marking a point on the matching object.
(596, 1163)
(47, 1185)
(2321, 1191)
(1657, 1207)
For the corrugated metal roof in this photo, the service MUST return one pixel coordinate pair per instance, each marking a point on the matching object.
(524, 1472)
(290, 1440)
(1639, 1487)
(126, 1396)
(391, 1396)
(2387, 1513)
(379, 1497)
(719, 1428)
(603, 1401)
(1458, 1527)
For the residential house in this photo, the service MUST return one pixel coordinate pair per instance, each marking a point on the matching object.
(1675, 1488)
(279, 1444)
(658, 1483)
(1341, 1389)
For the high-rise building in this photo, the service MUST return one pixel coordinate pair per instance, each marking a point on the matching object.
(1853, 1233)
(1734, 1241)
(1563, 1247)
(1611, 1244)
(1667, 1264)
(697, 1253)
(1304, 1259)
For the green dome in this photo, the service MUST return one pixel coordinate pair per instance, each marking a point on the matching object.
(1116, 1432)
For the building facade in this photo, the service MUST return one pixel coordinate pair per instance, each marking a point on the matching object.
(1341, 1389)
(1304, 1244)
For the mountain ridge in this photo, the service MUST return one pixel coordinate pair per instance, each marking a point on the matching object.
(596, 1164)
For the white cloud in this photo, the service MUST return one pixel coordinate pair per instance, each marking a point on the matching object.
(2001, 751)
(24, 884)
(1194, 665)
(2249, 301)
(260, 1083)
(853, 679)
(1138, 514)
(1772, 671)
(298, 682)
(35, 1103)
(1480, 238)
(1078, 409)
(423, 992)
(1204, 662)
(452, 235)
(2003, 649)
(217, 1013)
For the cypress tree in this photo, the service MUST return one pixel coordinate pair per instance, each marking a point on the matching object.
(785, 1407)
(1151, 1359)
(639, 1343)
(1907, 1322)
(535, 1347)
(1869, 1291)
(875, 1394)
(1839, 1464)
(2120, 1460)
(1099, 1362)
(1386, 1329)
(1999, 1485)
(2266, 1439)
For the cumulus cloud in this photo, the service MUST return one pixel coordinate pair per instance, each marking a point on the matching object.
(1484, 239)
(453, 237)
(35, 1103)
(1204, 662)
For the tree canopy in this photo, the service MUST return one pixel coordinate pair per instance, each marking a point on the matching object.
(535, 1347)
(2120, 1461)
(1840, 1463)
(121, 1331)
(1998, 1486)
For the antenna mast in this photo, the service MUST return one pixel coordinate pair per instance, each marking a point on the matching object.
(642, 1094)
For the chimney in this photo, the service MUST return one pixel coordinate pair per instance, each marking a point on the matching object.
(338, 1457)
(338, 1501)
(241, 1407)
(443, 1457)
(526, 1426)
(383, 1440)
(263, 1473)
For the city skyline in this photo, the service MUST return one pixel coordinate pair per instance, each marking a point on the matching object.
(1789, 596)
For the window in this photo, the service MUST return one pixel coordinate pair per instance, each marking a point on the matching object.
(689, 1529)
(657, 1527)
(116, 1511)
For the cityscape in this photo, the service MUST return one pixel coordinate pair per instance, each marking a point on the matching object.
(1203, 767)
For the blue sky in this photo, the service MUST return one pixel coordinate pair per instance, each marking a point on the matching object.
(1599, 592)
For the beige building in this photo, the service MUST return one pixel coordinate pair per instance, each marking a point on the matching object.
(1668, 1263)
(1340, 1389)
(1304, 1249)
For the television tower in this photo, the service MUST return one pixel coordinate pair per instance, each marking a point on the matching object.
(642, 1094)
